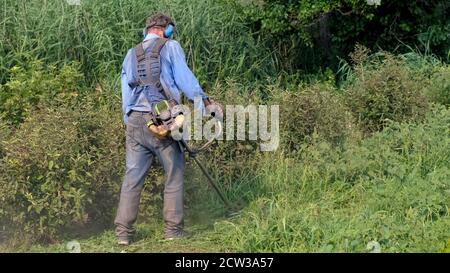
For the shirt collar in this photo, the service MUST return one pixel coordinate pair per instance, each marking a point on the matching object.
(150, 36)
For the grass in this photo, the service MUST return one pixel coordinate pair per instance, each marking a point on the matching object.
(149, 238)
(98, 34)
(392, 188)
(201, 217)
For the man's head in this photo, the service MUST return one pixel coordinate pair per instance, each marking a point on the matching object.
(160, 24)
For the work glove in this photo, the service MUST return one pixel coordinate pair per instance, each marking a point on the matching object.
(214, 109)
(159, 131)
(162, 131)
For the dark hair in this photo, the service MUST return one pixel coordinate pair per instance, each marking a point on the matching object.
(158, 20)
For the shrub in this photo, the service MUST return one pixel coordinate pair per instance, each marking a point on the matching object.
(384, 90)
(61, 168)
(314, 110)
(438, 88)
(33, 83)
(435, 73)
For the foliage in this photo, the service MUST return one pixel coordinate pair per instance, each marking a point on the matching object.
(282, 17)
(314, 110)
(329, 187)
(98, 34)
(60, 168)
(35, 83)
(391, 188)
(438, 88)
(384, 91)
(332, 28)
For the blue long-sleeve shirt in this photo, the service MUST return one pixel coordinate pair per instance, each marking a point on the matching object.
(175, 76)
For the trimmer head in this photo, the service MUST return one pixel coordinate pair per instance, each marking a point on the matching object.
(235, 210)
(233, 213)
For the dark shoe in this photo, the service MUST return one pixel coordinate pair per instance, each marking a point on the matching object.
(177, 235)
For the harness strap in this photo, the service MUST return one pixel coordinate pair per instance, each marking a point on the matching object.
(140, 53)
(149, 66)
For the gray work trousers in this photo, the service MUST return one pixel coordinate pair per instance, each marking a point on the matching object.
(141, 148)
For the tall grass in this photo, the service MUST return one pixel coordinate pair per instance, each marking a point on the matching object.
(98, 33)
(391, 188)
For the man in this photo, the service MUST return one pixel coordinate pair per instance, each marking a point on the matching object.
(140, 92)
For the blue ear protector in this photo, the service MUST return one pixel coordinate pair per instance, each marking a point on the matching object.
(168, 32)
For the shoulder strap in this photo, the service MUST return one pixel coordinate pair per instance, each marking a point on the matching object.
(149, 66)
(156, 50)
(140, 53)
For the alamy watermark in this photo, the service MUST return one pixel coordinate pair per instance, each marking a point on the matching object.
(239, 123)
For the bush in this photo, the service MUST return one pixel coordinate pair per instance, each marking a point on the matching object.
(61, 168)
(438, 88)
(435, 73)
(384, 90)
(34, 83)
(314, 110)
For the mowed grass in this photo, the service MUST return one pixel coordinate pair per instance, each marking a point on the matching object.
(149, 239)
(200, 221)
